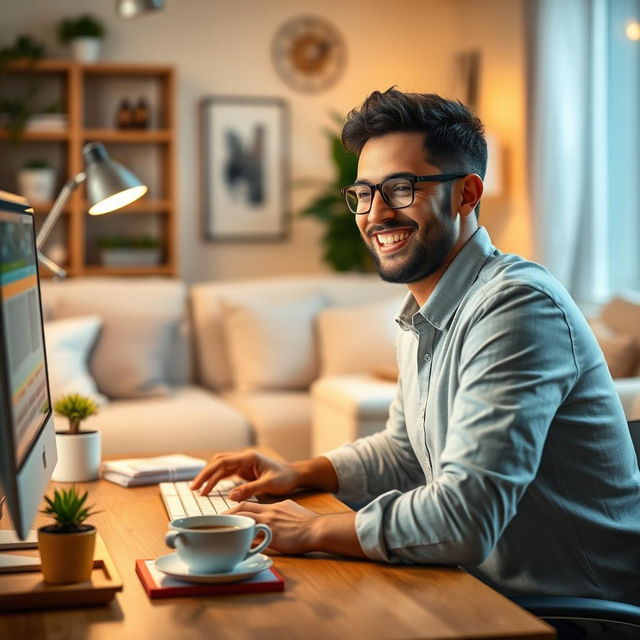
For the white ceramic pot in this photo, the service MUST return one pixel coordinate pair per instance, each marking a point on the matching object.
(79, 456)
(37, 185)
(86, 49)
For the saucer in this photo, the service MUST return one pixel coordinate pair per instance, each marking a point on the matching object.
(173, 566)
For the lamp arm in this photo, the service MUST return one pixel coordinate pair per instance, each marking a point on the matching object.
(59, 272)
(58, 206)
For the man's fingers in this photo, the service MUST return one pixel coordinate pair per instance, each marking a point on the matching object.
(246, 490)
(220, 467)
(248, 509)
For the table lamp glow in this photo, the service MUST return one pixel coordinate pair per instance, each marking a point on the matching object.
(110, 186)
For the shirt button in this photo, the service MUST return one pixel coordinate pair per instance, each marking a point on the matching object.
(427, 357)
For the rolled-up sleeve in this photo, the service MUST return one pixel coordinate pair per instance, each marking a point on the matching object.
(512, 371)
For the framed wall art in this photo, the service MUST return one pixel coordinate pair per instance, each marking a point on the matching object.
(245, 168)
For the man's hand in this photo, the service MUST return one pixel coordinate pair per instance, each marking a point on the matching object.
(297, 530)
(263, 474)
(290, 524)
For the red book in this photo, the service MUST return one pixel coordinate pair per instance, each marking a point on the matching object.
(160, 585)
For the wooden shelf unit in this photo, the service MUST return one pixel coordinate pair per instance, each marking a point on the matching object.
(83, 89)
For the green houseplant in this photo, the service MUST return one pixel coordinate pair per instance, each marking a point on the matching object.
(127, 251)
(78, 451)
(84, 33)
(67, 545)
(343, 247)
(15, 109)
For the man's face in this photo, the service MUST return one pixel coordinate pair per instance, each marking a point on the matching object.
(407, 244)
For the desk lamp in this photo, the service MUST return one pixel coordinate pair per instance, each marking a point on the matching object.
(109, 187)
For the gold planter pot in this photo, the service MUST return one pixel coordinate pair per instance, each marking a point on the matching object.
(66, 557)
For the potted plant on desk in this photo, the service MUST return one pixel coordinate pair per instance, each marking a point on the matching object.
(66, 547)
(78, 451)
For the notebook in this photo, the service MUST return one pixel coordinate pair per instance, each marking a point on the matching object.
(134, 472)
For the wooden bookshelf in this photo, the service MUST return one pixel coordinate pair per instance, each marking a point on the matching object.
(89, 94)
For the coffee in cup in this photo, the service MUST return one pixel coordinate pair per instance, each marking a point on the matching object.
(215, 544)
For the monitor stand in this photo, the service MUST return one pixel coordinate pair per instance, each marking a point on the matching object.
(12, 563)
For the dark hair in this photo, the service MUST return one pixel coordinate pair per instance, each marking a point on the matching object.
(454, 137)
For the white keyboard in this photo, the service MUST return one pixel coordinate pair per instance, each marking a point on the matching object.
(180, 501)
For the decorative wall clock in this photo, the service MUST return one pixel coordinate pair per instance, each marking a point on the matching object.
(309, 53)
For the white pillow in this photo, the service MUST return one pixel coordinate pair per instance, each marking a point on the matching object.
(360, 339)
(69, 343)
(271, 342)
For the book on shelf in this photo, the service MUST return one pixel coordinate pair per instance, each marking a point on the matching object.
(135, 472)
(160, 585)
(47, 122)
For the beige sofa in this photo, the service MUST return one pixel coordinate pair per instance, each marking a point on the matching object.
(299, 364)
(218, 366)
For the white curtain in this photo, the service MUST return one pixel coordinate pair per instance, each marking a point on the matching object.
(583, 144)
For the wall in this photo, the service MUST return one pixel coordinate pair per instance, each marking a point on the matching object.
(223, 47)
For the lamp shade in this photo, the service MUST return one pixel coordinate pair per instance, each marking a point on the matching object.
(135, 8)
(109, 185)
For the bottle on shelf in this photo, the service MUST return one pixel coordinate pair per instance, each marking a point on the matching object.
(124, 115)
(141, 114)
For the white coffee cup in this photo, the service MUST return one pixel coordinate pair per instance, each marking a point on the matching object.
(215, 544)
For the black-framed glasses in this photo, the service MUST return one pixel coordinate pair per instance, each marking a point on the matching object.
(398, 192)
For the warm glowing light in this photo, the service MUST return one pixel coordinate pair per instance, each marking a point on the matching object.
(118, 200)
(633, 30)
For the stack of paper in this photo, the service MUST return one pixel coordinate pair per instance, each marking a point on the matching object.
(133, 472)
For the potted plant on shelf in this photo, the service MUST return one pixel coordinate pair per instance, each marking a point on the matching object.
(84, 34)
(78, 451)
(67, 546)
(15, 107)
(37, 181)
(130, 251)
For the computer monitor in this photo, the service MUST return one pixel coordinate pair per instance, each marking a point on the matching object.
(27, 435)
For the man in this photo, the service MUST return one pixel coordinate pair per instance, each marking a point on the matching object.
(506, 450)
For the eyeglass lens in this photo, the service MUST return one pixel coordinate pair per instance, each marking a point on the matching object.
(396, 192)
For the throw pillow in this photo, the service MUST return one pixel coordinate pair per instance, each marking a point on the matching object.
(141, 322)
(619, 349)
(69, 343)
(271, 342)
(360, 339)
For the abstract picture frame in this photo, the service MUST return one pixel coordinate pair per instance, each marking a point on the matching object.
(245, 168)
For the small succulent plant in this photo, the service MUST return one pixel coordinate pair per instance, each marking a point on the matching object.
(67, 508)
(76, 408)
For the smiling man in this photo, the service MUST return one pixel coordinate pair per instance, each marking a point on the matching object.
(506, 450)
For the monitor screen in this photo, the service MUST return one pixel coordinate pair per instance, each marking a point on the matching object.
(22, 335)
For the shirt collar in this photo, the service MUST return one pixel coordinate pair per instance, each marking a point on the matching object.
(452, 286)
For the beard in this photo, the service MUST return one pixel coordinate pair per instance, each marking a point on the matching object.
(425, 252)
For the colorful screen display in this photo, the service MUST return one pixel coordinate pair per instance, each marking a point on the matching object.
(22, 330)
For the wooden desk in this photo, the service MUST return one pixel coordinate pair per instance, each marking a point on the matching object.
(325, 596)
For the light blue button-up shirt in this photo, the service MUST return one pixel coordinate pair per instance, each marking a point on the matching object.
(506, 450)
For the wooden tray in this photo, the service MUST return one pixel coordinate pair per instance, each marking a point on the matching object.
(26, 590)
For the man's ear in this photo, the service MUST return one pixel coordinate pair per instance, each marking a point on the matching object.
(468, 194)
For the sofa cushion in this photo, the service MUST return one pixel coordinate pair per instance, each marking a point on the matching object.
(271, 342)
(212, 356)
(345, 408)
(69, 343)
(142, 324)
(189, 419)
(619, 350)
(359, 339)
(356, 395)
(280, 420)
(622, 315)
